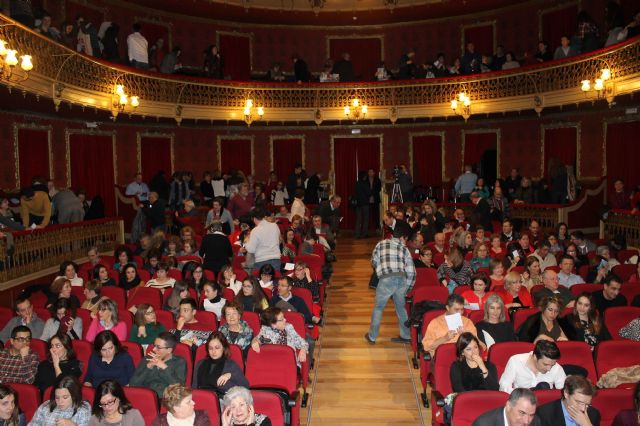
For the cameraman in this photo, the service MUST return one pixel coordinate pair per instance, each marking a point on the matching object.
(154, 212)
(403, 177)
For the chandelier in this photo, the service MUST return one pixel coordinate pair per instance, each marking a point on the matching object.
(356, 111)
(9, 61)
(121, 100)
(317, 5)
(252, 113)
(602, 86)
(461, 105)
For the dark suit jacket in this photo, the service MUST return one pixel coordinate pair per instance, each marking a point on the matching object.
(495, 417)
(328, 215)
(551, 414)
(482, 215)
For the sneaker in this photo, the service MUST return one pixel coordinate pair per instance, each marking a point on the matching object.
(400, 340)
(368, 339)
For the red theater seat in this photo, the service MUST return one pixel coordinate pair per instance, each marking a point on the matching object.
(145, 400)
(500, 353)
(28, 398)
(619, 316)
(616, 353)
(468, 406)
(610, 402)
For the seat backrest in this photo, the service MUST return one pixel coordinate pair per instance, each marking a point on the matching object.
(28, 398)
(127, 317)
(149, 295)
(40, 348)
(297, 321)
(546, 396)
(304, 294)
(609, 402)
(625, 271)
(145, 400)
(85, 315)
(426, 277)
(269, 404)
(79, 293)
(261, 374)
(166, 318)
(476, 316)
(228, 294)
(207, 319)
(169, 291)
(578, 353)
(439, 294)
(624, 255)
(43, 313)
(184, 351)
(468, 406)
(117, 294)
(135, 350)
(83, 350)
(444, 357)
(5, 315)
(207, 401)
(88, 393)
(144, 275)
(577, 289)
(521, 315)
(500, 353)
(630, 291)
(619, 316)
(428, 316)
(616, 353)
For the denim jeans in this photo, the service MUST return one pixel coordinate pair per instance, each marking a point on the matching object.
(388, 287)
(273, 262)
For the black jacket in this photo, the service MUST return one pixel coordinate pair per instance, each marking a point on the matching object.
(495, 417)
(362, 192)
(216, 251)
(155, 213)
(551, 414)
(482, 215)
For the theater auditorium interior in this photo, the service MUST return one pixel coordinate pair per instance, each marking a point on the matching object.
(230, 194)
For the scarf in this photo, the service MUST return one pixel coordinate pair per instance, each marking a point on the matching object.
(189, 421)
(128, 285)
(282, 337)
(209, 372)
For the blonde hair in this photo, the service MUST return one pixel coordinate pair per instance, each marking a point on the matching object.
(511, 278)
(173, 394)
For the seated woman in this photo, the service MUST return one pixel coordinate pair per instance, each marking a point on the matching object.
(584, 324)
(425, 260)
(107, 319)
(478, 294)
(124, 257)
(213, 300)
(109, 360)
(290, 244)
(481, 257)
(267, 274)
(493, 328)
(61, 361)
(532, 275)
(12, 415)
(578, 259)
(518, 251)
(193, 275)
(554, 246)
(454, 271)
(68, 270)
(236, 330)
(227, 279)
(597, 270)
(64, 407)
(61, 289)
(514, 294)
(92, 290)
(189, 248)
(101, 273)
(162, 279)
(470, 371)
(218, 372)
(63, 321)
(239, 410)
(496, 251)
(180, 291)
(154, 256)
(463, 240)
(129, 278)
(111, 407)
(544, 324)
(496, 273)
(145, 326)
(276, 331)
(177, 400)
(251, 297)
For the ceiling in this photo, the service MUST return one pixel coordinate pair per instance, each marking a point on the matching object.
(334, 12)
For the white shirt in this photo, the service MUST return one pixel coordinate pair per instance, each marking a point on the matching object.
(140, 189)
(236, 286)
(138, 48)
(216, 308)
(298, 208)
(76, 281)
(518, 375)
(264, 241)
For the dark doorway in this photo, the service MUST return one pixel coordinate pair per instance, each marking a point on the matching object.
(488, 167)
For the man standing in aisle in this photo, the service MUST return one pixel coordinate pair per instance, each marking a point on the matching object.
(397, 274)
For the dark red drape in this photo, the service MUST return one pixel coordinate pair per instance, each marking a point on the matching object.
(561, 144)
(235, 154)
(92, 167)
(74, 9)
(622, 143)
(33, 149)
(350, 156)
(236, 53)
(475, 144)
(481, 37)
(365, 54)
(558, 23)
(155, 155)
(427, 160)
(286, 154)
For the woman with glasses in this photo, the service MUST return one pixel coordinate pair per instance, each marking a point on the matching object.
(65, 407)
(478, 294)
(544, 324)
(193, 275)
(63, 321)
(480, 257)
(180, 405)
(180, 291)
(236, 330)
(107, 319)
(218, 372)
(109, 360)
(302, 278)
(251, 297)
(267, 274)
(146, 326)
(111, 407)
(61, 361)
(276, 331)
(10, 414)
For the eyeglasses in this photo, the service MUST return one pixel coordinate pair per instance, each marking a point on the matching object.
(103, 309)
(160, 347)
(22, 339)
(57, 345)
(108, 403)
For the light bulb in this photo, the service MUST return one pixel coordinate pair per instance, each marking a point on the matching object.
(467, 102)
(249, 103)
(11, 59)
(119, 90)
(461, 96)
(365, 109)
(26, 64)
(3, 48)
(347, 111)
(586, 85)
(260, 111)
(135, 101)
(355, 103)
(247, 111)
(606, 74)
(454, 104)
(599, 85)
(123, 99)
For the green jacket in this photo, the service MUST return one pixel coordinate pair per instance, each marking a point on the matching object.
(157, 379)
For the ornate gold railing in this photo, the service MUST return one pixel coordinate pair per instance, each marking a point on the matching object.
(40, 249)
(622, 223)
(65, 75)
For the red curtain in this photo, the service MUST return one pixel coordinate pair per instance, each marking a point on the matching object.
(155, 154)
(236, 54)
(558, 23)
(286, 154)
(475, 144)
(352, 155)
(235, 154)
(92, 167)
(561, 144)
(365, 54)
(621, 146)
(73, 9)
(427, 160)
(481, 37)
(33, 150)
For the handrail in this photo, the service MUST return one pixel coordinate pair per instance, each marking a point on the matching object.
(90, 82)
(622, 222)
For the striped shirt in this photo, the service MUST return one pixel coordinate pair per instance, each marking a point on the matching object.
(391, 257)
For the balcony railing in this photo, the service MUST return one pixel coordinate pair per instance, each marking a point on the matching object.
(622, 222)
(65, 75)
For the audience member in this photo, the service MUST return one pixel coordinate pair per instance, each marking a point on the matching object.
(188, 329)
(585, 323)
(566, 277)
(494, 328)
(160, 368)
(276, 330)
(218, 372)
(239, 409)
(63, 321)
(553, 288)
(610, 295)
(543, 325)
(574, 408)
(520, 410)
(64, 407)
(137, 46)
(111, 407)
(177, 399)
(109, 360)
(61, 361)
(534, 370)
(438, 331)
(25, 317)
(145, 325)
(107, 319)
(10, 414)
(19, 363)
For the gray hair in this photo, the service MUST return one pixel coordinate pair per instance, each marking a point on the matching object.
(215, 226)
(237, 391)
(601, 249)
(519, 393)
(494, 298)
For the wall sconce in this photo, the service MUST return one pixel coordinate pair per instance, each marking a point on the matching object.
(121, 100)
(356, 111)
(602, 86)
(251, 113)
(9, 61)
(461, 105)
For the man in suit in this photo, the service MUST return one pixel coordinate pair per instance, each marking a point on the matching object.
(520, 410)
(575, 406)
(481, 211)
(330, 212)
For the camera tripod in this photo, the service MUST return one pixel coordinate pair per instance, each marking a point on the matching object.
(396, 193)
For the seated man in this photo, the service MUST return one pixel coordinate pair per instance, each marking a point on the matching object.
(520, 410)
(508, 234)
(566, 277)
(438, 331)
(289, 302)
(545, 258)
(188, 330)
(610, 295)
(25, 317)
(325, 236)
(534, 370)
(584, 245)
(575, 406)
(160, 368)
(18, 364)
(553, 288)
(536, 236)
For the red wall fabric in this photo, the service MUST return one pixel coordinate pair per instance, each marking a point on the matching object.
(560, 143)
(236, 53)
(155, 155)
(621, 145)
(236, 154)
(33, 148)
(475, 144)
(427, 160)
(558, 23)
(286, 154)
(481, 37)
(365, 54)
(92, 167)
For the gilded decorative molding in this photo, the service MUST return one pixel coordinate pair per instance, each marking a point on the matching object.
(442, 149)
(542, 12)
(67, 137)
(328, 39)
(491, 23)
(16, 147)
(170, 136)
(544, 128)
(498, 133)
(219, 140)
(333, 137)
(237, 34)
(273, 138)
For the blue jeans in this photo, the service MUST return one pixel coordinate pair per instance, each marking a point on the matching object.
(395, 287)
(273, 262)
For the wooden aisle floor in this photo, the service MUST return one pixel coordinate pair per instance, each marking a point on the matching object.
(355, 382)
